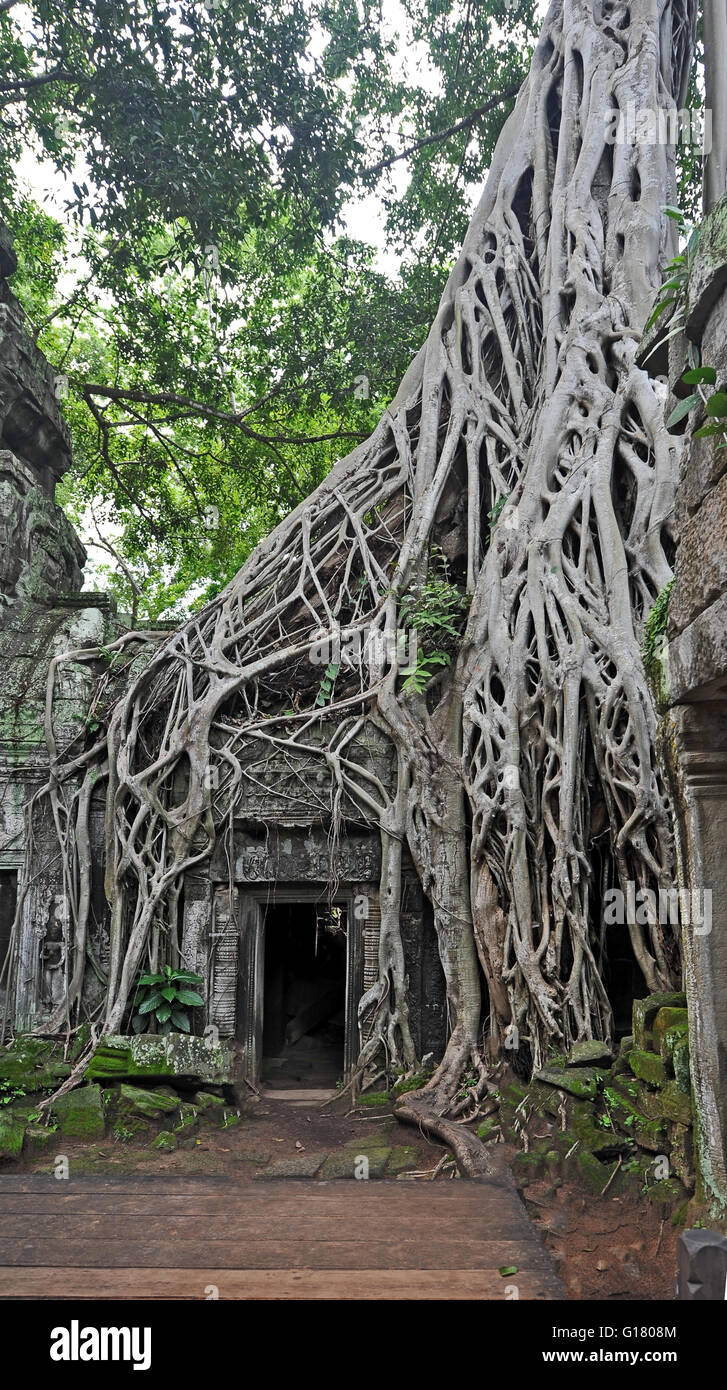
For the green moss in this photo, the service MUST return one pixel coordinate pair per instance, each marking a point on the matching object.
(664, 1023)
(647, 1066)
(594, 1174)
(374, 1098)
(413, 1084)
(165, 1140)
(32, 1065)
(80, 1113)
(11, 1137)
(488, 1129)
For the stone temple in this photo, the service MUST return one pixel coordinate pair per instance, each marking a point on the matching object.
(286, 940)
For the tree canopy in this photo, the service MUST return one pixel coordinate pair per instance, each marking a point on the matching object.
(220, 337)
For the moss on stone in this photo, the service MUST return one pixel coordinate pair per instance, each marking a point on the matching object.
(80, 1113)
(165, 1140)
(644, 1012)
(665, 1020)
(647, 1066)
(11, 1136)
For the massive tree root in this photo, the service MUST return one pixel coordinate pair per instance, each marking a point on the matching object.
(527, 445)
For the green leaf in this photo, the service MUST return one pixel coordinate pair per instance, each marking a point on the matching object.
(180, 1021)
(697, 375)
(717, 403)
(675, 213)
(151, 979)
(188, 996)
(508, 1269)
(661, 305)
(139, 1023)
(164, 1012)
(708, 431)
(150, 1003)
(681, 409)
(169, 994)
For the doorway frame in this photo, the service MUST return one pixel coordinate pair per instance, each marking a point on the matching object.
(251, 970)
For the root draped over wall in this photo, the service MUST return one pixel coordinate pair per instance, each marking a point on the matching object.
(525, 438)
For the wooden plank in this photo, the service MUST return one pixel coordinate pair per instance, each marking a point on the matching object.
(113, 1224)
(279, 1284)
(297, 1252)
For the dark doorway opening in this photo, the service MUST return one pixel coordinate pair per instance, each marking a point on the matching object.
(304, 1002)
(8, 904)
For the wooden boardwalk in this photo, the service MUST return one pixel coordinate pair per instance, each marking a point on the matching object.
(197, 1238)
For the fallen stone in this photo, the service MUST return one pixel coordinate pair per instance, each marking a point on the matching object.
(676, 1034)
(183, 1056)
(647, 1066)
(581, 1081)
(589, 1054)
(675, 1104)
(645, 1010)
(165, 1140)
(302, 1166)
(347, 1163)
(402, 1158)
(595, 1174)
(665, 1019)
(702, 1257)
(36, 1139)
(80, 1113)
(33, 1064)
(206, 1100)
(149, 1103)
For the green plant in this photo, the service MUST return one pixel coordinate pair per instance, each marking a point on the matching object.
(655, 629)
(165, 997)
(494, 513)
(325, 693)
(436, 609)
(673, 293)
(9, 1092)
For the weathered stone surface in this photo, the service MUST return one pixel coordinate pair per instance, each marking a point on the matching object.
(701, 566)
(165, 1140)
(589, 1053)
(347, 1164)
(80, 1113)
(177, 1055)
(647, 1066)
(674, 1104)
(702, 1257)
(402, 1159)
(142, 1102)
(708, 275)
(581, 1081)
(302, 1166)
(697, 657)
(645, 1010)
(681, 1064)
(33, 1064)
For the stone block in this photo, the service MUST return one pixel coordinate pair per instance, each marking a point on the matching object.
(697, 657)
(647, 1066)
(666, 1019)
(156, 1058)
(152, 1104)
(80, 1113)
(589, 1053)
(165, 1140)
(701, 566)
(302, 1166)
(347, 1164)
(581, 1081)
(644, 1012)
(674, 1104)
(681, 1064)
(702, 1265)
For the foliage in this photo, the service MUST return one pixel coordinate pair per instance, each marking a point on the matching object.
(655, 628)
(164, 998)
(436, 609)
(200, 272)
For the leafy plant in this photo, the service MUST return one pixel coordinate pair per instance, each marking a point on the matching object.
(436, 609)
(494, 513)
(9, 1092)
(655, 628)
(673, 293)
(165, 998)
(325, 693)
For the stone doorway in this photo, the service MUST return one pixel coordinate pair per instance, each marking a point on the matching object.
(304, 994)
(301, 977)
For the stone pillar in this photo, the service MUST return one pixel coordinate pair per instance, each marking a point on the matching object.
(694, 726)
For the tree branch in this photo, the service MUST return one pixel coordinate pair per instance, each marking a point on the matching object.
(508, 95)
(236, 418)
